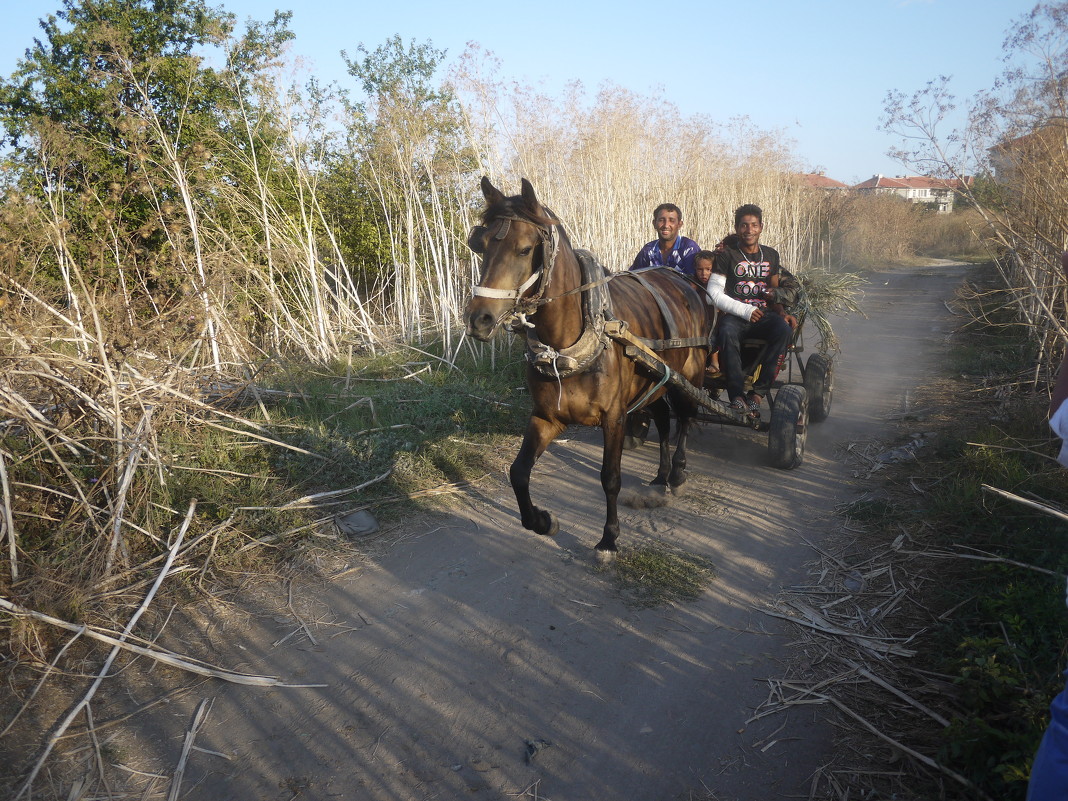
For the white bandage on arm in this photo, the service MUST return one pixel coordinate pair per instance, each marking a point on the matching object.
(724, 302)
(1059, 424)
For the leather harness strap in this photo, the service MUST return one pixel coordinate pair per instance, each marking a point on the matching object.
(665, 312)
(672, 340)
(669, 344)
(596, 310)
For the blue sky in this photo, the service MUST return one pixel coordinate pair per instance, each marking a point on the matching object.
(817, 70)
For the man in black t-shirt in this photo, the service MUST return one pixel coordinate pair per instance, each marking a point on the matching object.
(752, 274)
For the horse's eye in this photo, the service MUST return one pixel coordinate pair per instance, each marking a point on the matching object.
(525, 252)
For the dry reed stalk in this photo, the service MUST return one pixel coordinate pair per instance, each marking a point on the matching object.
(298, 618)
(862, 671)
(54, 737)
(166, 698)
(90, 728)
(43, 434)
(310, 500)
(187, 664)
(119, 505)
(934, 554)
(1049, 510)
(108, 581)
(926, 760)
(199, 719)
(443, 489)
(9, 521)
(147, 382)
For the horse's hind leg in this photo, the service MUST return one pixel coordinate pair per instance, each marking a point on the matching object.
(539, 434)
(661, 414)
(677, 477)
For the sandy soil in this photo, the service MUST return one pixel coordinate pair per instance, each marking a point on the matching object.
(470, 638)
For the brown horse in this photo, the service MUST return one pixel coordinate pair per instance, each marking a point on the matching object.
(572, 313)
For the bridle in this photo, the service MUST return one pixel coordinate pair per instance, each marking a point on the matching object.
(550, 243)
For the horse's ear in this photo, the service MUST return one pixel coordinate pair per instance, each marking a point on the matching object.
(491, 193)
(530, 198)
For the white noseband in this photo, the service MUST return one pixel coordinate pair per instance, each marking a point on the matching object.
(506, 294)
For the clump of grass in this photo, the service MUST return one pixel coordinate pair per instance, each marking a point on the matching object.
(655, 575)
(427, 421)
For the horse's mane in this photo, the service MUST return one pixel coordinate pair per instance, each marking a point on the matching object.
(515, 206)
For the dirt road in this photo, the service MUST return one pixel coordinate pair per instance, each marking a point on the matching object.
(454, 660)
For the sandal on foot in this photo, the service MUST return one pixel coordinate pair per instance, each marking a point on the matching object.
(752, 404)
(739, 405)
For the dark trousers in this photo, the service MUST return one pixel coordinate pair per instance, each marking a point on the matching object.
(732, 330)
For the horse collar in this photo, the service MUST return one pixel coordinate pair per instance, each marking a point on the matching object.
(596, 312)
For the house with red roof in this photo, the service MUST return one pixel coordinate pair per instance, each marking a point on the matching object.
(818, 180)
(939, 193)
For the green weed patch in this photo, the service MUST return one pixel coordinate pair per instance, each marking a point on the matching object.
(654, 575)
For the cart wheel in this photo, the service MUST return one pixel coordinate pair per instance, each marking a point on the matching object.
(637, 429)
(819, 383)
(789, 427)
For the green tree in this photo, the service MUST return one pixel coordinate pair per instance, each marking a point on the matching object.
(401, 180)
(116, 122)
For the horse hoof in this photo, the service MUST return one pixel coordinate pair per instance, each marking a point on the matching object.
(550, 529)
(604, 557)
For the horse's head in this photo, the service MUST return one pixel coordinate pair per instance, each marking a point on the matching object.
(510, 241)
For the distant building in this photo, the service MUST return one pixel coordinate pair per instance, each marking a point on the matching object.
(939, 193)
(817, 180)
(1044, 146)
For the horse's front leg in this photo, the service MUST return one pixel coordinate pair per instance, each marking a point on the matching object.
(539, 434)
(661, 414)
(614, 431)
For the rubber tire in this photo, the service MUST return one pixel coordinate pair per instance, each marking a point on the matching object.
(637, 430)
(788, 427)
(819, 383)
